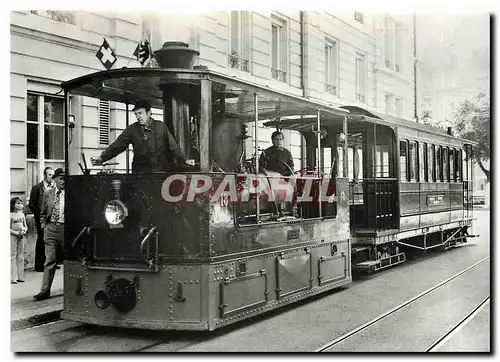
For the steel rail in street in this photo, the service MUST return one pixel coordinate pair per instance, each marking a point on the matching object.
(441, 341)
(395, 309)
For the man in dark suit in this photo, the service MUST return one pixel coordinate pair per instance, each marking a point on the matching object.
(52, 223)
(35, 205)
(155, 149)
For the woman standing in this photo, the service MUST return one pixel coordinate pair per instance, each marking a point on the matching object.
(18, 230)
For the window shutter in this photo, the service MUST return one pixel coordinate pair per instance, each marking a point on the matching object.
(103, 122)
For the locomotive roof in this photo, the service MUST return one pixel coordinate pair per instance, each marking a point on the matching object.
(392, 121)
(127, 85)
(359, 115)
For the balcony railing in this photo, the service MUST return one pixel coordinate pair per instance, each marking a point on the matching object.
(360, 97)
(278, 74)
(330, 88)
(62, 16)
(234, 61)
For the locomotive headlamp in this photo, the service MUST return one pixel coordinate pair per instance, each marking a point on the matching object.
(115, 212)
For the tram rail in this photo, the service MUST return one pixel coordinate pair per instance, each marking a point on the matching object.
(441, 341)
(377, 319)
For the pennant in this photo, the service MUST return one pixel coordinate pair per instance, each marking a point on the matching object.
(143, 52)
(106, 55)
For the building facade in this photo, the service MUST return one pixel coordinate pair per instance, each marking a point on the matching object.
(354, 58)
(454, 62)
(454, 52)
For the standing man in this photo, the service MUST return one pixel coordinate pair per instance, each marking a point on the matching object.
(35, 205)
(52, 222)
(155, 149)
(277, 158)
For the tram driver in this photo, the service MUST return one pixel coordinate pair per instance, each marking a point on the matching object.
(155, 148)
(277, 158)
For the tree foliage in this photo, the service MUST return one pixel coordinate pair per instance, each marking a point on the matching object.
(472, 122)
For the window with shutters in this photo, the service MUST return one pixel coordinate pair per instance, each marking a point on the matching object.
(446, 165)
(413, 161)
(360, 78)
(398, 46)
(431, 176)
(439, 164)
(393, 44)
(240, 28)
(403, 160)
(44, 135)
(389, 41)
(458, 165)
(422, 161)
(451, 156)
(279, 49)
(331, 66)
(399, 107)
(388, 103)
(103, 122)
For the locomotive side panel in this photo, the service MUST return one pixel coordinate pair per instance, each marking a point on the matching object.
(117, 297)
(296, 260)
(248, 286)
(75, 287)
(111, 295)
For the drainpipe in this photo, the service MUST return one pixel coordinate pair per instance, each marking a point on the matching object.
(415, 64)
(303, 67)
(303, 59)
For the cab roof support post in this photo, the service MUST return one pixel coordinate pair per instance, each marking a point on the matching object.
(205, 124)
(66, 132)
(345, 147)
(256, 124)
(127, 122)
(127, 151)
(374, 152)
(318, 160)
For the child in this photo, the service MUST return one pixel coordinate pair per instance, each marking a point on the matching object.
(18, 230)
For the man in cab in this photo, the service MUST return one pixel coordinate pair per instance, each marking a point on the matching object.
(155, 149)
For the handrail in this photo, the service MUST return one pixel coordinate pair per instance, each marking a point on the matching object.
(79, 236)
(143, 244)
(451, 236)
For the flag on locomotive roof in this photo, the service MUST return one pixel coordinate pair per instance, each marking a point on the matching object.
(143, 52)
(106, 55)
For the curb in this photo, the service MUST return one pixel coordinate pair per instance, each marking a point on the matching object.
(35, 320)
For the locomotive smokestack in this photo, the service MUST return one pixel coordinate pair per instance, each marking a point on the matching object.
(175, 54)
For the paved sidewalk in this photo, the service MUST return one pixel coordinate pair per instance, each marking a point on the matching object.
(26, 311)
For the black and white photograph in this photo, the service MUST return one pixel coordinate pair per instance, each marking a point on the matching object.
(250, 180)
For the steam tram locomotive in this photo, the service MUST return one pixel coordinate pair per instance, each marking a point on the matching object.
(201, 248)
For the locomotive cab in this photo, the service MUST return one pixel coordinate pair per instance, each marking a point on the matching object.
(202, 247)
